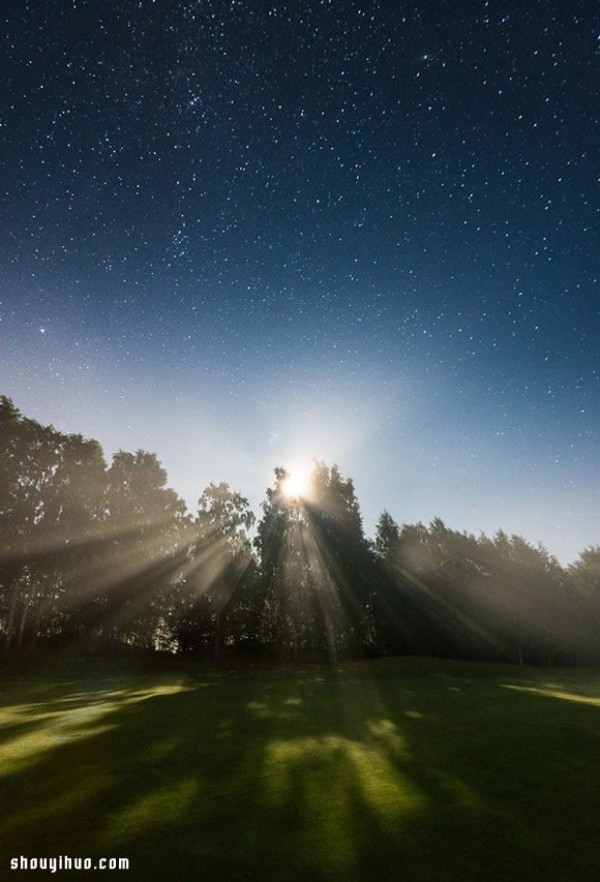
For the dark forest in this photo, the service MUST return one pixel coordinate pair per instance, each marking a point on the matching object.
(105, 558)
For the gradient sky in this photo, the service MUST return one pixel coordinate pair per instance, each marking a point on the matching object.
(246, 233)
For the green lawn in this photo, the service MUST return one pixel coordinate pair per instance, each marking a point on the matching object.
(384, 770)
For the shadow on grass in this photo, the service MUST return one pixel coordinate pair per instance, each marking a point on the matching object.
(372, 771)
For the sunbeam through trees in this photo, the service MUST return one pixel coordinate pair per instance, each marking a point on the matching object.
(106, 558)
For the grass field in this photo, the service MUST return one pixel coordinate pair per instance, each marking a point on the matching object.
(392, 769)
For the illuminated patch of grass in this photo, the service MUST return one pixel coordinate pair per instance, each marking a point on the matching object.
(397, 769)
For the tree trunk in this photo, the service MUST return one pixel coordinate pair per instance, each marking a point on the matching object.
(218, 635)
(331, 642)
(23, 622)
(11, 617)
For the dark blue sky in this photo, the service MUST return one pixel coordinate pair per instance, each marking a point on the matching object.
(246, 233)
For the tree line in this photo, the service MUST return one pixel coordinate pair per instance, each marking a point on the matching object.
(105, 557)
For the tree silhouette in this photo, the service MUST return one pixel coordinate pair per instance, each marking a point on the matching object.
(109, 556)
(218, 571)
(316, 566)
(143, 549)
(50, 492)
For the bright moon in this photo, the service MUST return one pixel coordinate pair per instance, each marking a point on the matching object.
(297, 483)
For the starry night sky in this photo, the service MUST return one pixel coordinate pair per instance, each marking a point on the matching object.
(243, 233)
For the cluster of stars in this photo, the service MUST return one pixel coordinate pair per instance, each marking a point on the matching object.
(223, 190)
